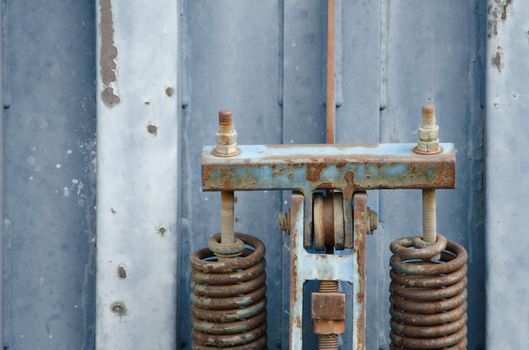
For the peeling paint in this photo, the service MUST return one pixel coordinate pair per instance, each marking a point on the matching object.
(500, 11)
(497, 60)
(109, 53)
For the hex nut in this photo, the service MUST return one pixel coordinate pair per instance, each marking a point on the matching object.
(323, 327)
(429, 134)
(328, 306)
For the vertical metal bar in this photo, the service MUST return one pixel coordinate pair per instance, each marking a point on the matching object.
(227, 218)
(296, 278)
(429, 222)
(507, 159)
(331, 43)
(137, 160)
(359, 271)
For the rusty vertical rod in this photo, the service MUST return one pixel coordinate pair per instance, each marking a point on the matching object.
(330, 341)
(331, 41)
(429, 220)
(227, 234)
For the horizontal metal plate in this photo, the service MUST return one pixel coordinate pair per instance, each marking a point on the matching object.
(346, 167)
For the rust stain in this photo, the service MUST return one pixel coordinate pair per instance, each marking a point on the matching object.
(497, 60)
(497, 12)
(152, 129)
(109, 53)
(169, 91)
(122, 272)
(360, 214)
(504, 9)
(314, 171)
(119, 308)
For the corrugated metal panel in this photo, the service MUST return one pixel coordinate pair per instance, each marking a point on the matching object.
(264, 60)
(49, 111)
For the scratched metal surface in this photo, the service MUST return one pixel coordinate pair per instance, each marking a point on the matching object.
(264, 61)
(508, 184)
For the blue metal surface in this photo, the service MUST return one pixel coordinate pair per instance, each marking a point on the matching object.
(264, 61)
(49, 226)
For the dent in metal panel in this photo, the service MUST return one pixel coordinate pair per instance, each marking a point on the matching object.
(137, 176)
(507, 284)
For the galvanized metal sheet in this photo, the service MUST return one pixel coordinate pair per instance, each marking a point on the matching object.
(506, 216)
(49, 167)
(137, 159)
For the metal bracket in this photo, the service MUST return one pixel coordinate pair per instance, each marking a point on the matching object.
(306, 266)
(348, 168)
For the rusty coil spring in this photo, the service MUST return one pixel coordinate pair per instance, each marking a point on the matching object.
(228, 297)
(428, 299)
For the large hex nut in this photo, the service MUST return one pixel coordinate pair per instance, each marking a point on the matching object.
(328, 306)
(328, 313)
(328, 326)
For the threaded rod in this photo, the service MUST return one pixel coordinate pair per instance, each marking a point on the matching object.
(227, 217)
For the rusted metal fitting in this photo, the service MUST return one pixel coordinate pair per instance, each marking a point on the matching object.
(328, 313)
(283, 222)
(428, 133)
(328, 219)
(226, 136)
(372, 221)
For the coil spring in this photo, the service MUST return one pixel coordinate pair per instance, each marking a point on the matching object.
(228, 297)
(428, 299)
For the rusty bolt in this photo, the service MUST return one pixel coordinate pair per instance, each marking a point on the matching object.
(226, 136)
(372, 221)
(283, 222)
(428, 132)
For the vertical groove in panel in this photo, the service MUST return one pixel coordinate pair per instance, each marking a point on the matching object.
(137, 160)
(232, 51)
(507, 182)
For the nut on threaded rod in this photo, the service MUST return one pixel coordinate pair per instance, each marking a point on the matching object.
(226, 136)
(428, 133)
